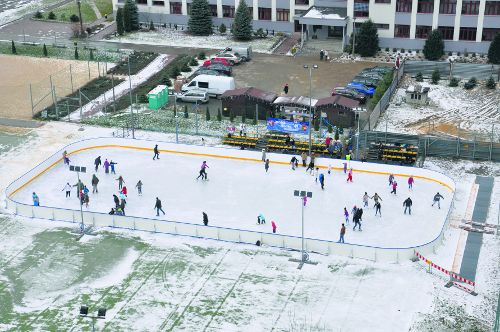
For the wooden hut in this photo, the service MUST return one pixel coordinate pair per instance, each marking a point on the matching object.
(248, 101)
(338, 109)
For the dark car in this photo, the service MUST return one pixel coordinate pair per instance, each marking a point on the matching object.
(380, 69)
(205, 71)
(220, 68)
(349, 94)
(368, 81)
(372, 74)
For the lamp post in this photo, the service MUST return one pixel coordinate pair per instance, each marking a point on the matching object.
(311, 115)
(304, 259)
(358, 110)
(176, 128)
(79, 169)
(84, 312)
(130, 94)
(354, 35)
(79, 4)
(196, 109)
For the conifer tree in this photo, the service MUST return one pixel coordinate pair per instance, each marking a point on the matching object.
(242, 25)
(200, 20)
(434, 46)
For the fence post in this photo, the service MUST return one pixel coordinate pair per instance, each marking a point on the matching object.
(113, 87)
(88, 68)
(458, 139)
(80, 103)
(31, 99)
(71, 78)
(491, 140)
(474, 149)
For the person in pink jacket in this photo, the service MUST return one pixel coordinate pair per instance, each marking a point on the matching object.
(273, 225)
(394, 187)
(410, 182)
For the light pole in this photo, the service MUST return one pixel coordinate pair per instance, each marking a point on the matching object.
(84, 312)
(358, 110)
(196, 109)
(354, 35)
(79, 169)
(130, 94)
(176, 128)
(304, 259)
(311, 115)
(79, 3)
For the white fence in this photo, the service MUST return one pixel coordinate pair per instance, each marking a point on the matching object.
(213, 232)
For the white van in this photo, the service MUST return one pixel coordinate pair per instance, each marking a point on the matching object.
(213, 85)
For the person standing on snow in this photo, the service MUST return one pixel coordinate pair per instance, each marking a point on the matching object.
(285, 89)
(95, 181)
(407, 204)
(394, 187)
(156, 152)
(273, 225)
(316, 173)
(97, 162)
(353, 211)
(437, 199)
(303, 156)
(106, 166)
(203, 172)
(322, 180)
(120, 182)
(205, 219)
(411, 180)
(391, 179)
(346, 215)
(266, 165)
(342, 233)
(139, 188)
(365, 199)
(67, 188)
(112, 164)
(357, 219)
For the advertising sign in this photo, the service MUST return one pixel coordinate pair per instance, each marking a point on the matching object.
(287, 126)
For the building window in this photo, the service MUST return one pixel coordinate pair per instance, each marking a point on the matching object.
(489, 34)
(403, 6)
(422, 31)
(467, 34)
(382, 26)
(446, 32)
(492, 8)
(188, 8)
(447, 6)
(425, 6)
(361, 8)
(264, 14)
(176, 8)
(158, 3)
(282, 15)
(144, 2)
(470, 7)
(250, 10)
(401, 31)
(382, 1)
(302, 2)
(213, 10)
(227, 11)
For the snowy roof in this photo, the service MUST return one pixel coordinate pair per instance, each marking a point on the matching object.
(157, 90)
(295, 101)
(251, 92)
(331, 16)
(323, 12)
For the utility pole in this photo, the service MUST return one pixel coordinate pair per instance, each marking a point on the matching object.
(354, 35)
(304, 259)
(78, 2)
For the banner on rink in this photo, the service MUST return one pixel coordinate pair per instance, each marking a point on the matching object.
(287, 126)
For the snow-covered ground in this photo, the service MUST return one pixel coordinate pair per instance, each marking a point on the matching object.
(178, 38)
(475, 111)
(13, 9)
(158, 282)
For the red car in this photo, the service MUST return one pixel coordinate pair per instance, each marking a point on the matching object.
(216, 60)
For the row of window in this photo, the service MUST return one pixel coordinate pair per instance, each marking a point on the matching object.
(403, 31)
(469, 7)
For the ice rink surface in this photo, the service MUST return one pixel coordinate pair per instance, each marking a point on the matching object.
(238, 190)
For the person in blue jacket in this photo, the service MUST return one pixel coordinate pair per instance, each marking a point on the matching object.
(322, 180)
(36, 200)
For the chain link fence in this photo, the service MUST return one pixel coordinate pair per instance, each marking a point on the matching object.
(463, 71)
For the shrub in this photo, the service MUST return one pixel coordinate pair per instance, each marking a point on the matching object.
(45, 53)
(151, 26)
(185, 67)
(202, 56)
(494, 50)
(466, 54)
(387, 49)
(474, 54)
(74, 18)
(38, 15)
(418, 51)
(207, 114)
(119, 21)
(52, 16)
(490, 83)
(454, 82)
(193, 62)
(259, 33)
(222, 28)
(419, 77)
(348, 49)
(473, 80)
(76, 53)
(293, 50)
(394, 49)
(219, 115)
(186, 114)
(142, 99)
(402, 50)
(167, 81)
(174, 72)
(367, 39)
(458, 53)
(13, 48)
(436, 76)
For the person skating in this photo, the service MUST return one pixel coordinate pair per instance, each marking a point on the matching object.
(95, 181)
(394, 187)
(316, 173)
(205, 219)
(345, 168)
(349, 176)
(407, 204)
(437, 198)
(36, 199)
(203, 172)
(329, 169)
(116, 200)
(378, 208)
(67, 188)
(79, 187)
(293, 162)
(66, 160)
(303, 156)
(357, 219)
(120, 182)
(342, 233)
(85, 189)
(376, 197)
(261, 219)
(86, 199)
(112, 164)
(158, 207)
(156, 152)
(106, 166)
(124, 191)
(346, 215)
(123, 202)
(353, 211)
(266, 165)
(391, 179)
(322, 180)
(273, 225)
(139, 188)
(82, 197)
(97, 162)
(264, 155)
(365, 199)
(310, 167)
(411, 180)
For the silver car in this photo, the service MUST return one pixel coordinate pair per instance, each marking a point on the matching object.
(194, 96)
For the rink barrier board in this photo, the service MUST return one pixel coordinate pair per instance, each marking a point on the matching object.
(219, 233)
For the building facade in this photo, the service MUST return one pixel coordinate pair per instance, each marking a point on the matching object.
(466, 25)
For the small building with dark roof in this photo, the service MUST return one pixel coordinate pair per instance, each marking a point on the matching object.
(248, 101)
(338, 109)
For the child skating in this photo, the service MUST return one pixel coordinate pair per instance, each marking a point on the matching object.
(346, 216)
(139, 188)
(203, 172)
(349, 176)
(365, 199)
(411, 180)
(266, 165)
(394, 187)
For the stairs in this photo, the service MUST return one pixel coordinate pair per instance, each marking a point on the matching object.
(287, 44)
(262, 143)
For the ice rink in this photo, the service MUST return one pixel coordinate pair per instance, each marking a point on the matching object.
(238, 189)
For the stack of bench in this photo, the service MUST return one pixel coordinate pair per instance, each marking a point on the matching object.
(245, 141)
(399, 154)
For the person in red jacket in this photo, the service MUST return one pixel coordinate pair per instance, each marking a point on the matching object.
(349, 176)
(394, 187)
(124, 190)
(273, 225)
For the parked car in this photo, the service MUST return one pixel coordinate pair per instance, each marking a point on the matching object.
(349, 94)
(212, 61)
(245, 52)
(372, 74)
(205, 71)
(213, 85)
(380, 69)
(361, 88)
(232, 58)
(368, 81)
(194, 96)
(226, 70)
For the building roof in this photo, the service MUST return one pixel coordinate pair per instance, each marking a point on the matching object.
(329, 16)
(157, 90)
(299, 101)
(337, 101)
(250, 92)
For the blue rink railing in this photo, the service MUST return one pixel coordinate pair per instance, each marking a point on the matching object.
(98, 219)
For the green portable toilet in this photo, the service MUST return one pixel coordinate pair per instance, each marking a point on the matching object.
(158, 97)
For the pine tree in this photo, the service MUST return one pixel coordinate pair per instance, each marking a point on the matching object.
(151, 26)
(207, 115)
(200, 20)
(45, 53)
(436, 76)
(419, 77)
(222, 28)
(336, 136)
(434, 46)
(13, 47)
(91, 55)
(130, 16)
(367, 39)
(219, 115)
(490, 83)
(119, 21)
(494, 50)
(76, 53)
(242, 25)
